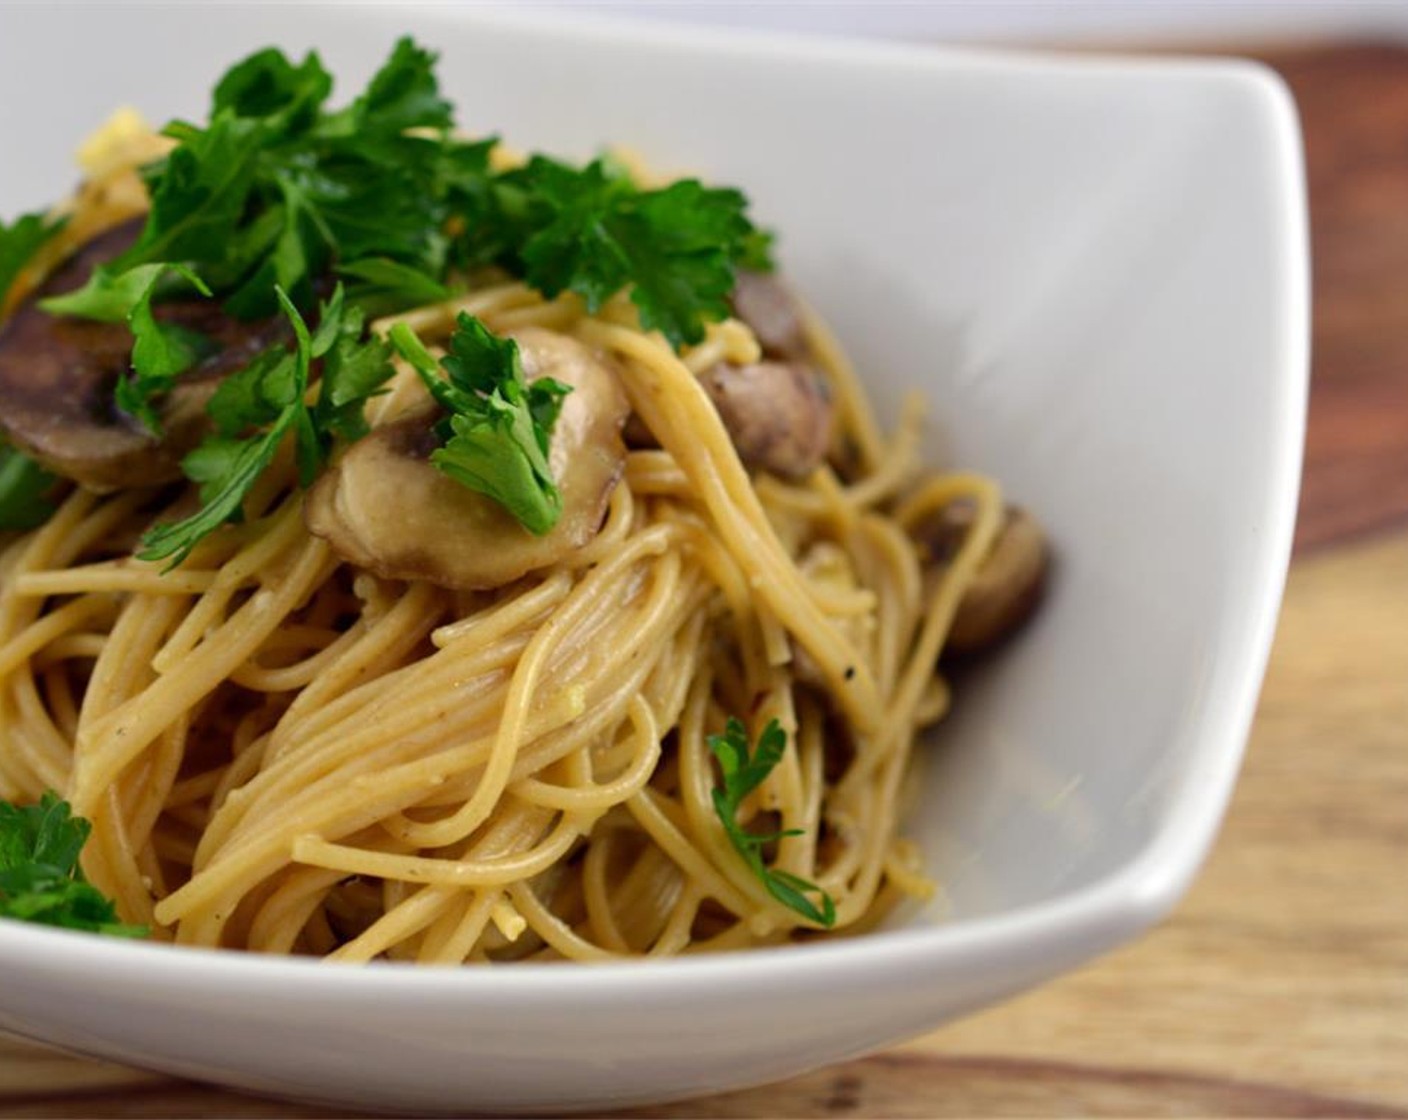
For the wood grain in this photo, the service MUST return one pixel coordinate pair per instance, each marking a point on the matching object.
(1280, 986)
(1353, 103)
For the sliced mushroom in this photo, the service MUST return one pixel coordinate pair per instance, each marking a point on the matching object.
(778, 411)
(386, 508)
(779, 414)
(57, 376)
(1008, 584)
(768, 307)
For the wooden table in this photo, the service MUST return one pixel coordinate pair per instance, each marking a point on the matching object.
(1280, 986)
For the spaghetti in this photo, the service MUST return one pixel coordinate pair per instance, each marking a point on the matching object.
(283, 752)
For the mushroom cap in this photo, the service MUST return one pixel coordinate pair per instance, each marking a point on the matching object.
(777, 411)
(765, 303)
(385, 507)
(1008, 585)
(57, 376)
(779, 414)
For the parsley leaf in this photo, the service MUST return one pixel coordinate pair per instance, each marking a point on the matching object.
(199, 192)
(270, 397)
(267, 86)
(225, 469)
(24, 491)
(40, 880)
(403, 94)
(276, 188)
(290, 188)
(161, 351)
(353, 372)
(591, 231)
(384, 286)
(500, 424)
(743, 772)
(19, 241)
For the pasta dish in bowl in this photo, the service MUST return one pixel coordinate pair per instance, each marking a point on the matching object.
(422, 551)
(606, 631)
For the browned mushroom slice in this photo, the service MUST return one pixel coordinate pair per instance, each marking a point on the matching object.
(1008, 584)
(768, 307)
(57, 376)
(779, 414)
(764, 441)
(385, 507)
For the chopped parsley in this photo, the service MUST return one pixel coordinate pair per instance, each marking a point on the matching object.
(496, 436)
(256, 407)
(40, 880)
(743, 772)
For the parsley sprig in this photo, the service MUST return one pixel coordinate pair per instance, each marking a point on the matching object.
(744, 771)
(40, 880)
(277, 187)
(590, 230)
(161, 351)
(498, 425)
(255, 408)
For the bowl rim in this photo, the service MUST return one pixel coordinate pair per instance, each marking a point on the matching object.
(1086, 921)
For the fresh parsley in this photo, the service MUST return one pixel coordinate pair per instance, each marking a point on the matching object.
(277, 187)
(161, 351)
(273, 193)
(277, 190)
(19, 241)
(590, 230)
(40, 880)
(498, 426)
(380, 286)
(743, 772)
(25, 487)
(255, 408)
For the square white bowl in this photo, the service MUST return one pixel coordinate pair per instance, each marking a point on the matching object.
(1096, 270)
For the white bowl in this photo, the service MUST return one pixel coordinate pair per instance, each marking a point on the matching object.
(1097, 271)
